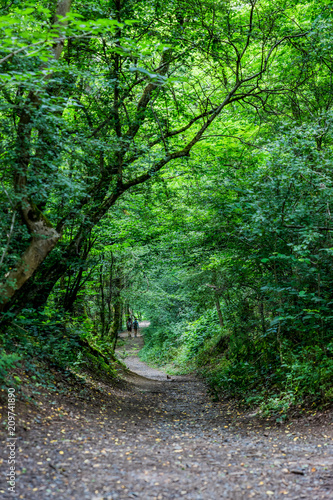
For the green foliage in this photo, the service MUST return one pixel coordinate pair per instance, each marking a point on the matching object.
(274, 279)
(7, 363)
(46, 336)
(187, 165)
(197, 332)
(57, 340)
(181, 342)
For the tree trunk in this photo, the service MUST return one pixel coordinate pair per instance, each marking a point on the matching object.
(44, 239)
(44, 236)
(102, 304)
(223, 343)
(117, 314)
(219, 312)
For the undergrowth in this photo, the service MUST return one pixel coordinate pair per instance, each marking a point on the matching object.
(273, 378)
(35, 340)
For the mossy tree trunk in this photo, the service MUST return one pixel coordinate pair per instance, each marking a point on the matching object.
(117, 312)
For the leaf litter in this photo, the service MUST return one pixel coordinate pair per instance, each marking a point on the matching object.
(157, 438)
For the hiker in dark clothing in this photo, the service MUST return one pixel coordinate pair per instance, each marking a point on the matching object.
(129, 326)
(135, 326)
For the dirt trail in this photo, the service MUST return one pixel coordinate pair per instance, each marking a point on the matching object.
(165, 439)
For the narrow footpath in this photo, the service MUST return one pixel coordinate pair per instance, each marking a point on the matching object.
(159, 438)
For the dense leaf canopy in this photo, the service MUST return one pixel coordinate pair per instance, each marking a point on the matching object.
(173, 161)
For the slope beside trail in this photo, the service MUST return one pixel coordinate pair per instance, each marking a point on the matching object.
(156, 438)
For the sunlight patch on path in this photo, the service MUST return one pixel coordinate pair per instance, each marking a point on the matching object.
(133, 363)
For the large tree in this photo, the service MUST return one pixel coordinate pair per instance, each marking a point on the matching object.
(112, 107)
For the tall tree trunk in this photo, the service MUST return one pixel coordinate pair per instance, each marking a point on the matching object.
(110, 292)
(223, 343)
(44, 236)
(117, 313)
(219, 312)
(102, 304)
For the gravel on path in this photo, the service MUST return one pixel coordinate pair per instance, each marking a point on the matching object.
(162, 439)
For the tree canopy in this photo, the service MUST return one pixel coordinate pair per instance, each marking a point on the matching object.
(173, 161)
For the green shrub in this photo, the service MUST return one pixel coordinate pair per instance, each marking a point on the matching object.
(7, 363)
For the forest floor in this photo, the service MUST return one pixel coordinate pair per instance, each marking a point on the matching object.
(159, 438)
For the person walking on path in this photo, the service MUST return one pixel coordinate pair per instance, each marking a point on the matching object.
(129, 326)
(135, 326)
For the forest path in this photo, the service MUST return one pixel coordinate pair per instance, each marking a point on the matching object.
(202, 452)
(165, 439)
(129, 352)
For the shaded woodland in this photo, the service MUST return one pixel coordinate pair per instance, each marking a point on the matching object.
(171, 161)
